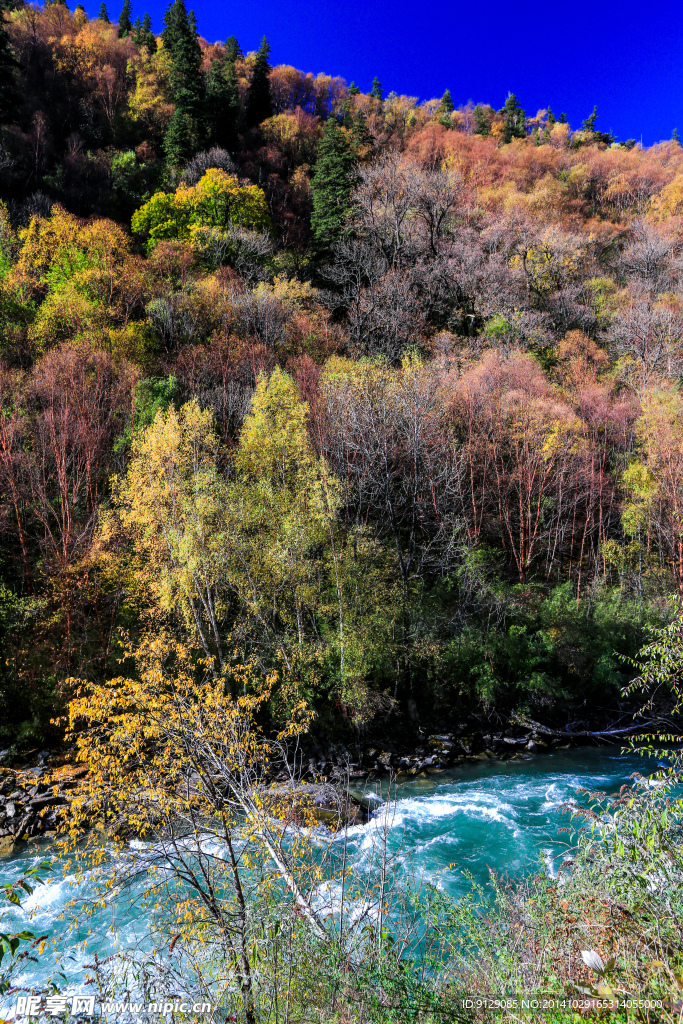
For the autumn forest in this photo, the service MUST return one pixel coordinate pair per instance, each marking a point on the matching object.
(377, 396)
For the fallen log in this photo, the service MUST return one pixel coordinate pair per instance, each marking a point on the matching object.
(629, 730)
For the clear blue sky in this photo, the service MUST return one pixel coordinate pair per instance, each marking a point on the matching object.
(627, 57)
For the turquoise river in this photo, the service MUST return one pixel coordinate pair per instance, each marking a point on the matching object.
(499, 814)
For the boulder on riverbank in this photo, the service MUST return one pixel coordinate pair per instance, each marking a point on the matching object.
(322, 802)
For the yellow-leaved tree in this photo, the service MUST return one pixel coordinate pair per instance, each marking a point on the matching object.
(170, 507)
(91, 281)
(247, 549)
(190, 811)
(181, 765)
(235, 547)
(218, 200)
(284, 500)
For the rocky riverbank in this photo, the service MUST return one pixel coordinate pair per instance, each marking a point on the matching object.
(434, 753)
(34, 800)
(34, 797)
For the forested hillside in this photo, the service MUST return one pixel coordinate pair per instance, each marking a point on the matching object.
(378, 395)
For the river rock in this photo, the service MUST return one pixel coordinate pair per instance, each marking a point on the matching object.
(324, 802)
(22, 827)
(422, 782)
(47, 800)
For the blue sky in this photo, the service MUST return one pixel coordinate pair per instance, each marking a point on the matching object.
(626, 57)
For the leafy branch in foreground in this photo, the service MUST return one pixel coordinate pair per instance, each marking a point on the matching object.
(237, 877)
(659, 664)
(10, 943)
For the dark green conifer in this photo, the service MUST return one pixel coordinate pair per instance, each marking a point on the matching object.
(354, 90)
(103, 15)
(187, 86)
(178, 139)
(445, 110)
(232, 49)
(482, 122)
(259, 105)
(148, 37)
(515, 119)
(125, 24)
(377, 90)
(331, 186)
(222, 104)
(589, 124)
(360, 131)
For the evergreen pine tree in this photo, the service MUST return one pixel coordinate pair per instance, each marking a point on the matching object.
(222, 104)
(232, 50)
(148, 37)
(674, 136)
(178, 139)
(482, 124)
(346, 119)
(9, 90)
(259, 105)
(103, 15)
(331, 186)
(361, 133)
(180, 39)
(446, 104)
(125, 24)
(589, 124)
(515, 119)
(187, 86)
(137, 32)
(446, 108)
(550, 122)
(354, 90)
(377, 90)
